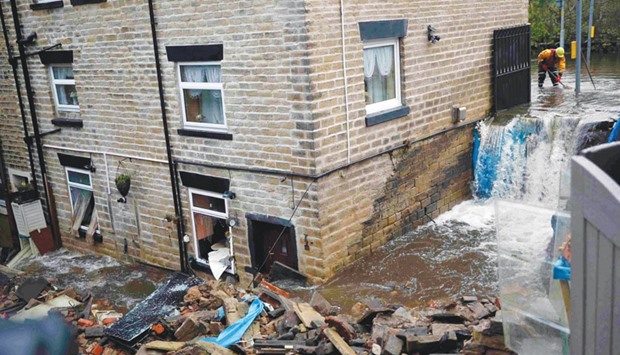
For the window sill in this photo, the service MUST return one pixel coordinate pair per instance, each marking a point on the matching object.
(85, 2)
(205, 134)
(47, 5)
(387, 115)
(68, 122)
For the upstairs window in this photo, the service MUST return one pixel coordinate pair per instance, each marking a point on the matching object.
(63, 87)
(202, 95)
(382, 75)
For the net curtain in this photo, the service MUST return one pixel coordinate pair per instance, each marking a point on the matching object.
(378, 67)
(210, 100)
(62, 90)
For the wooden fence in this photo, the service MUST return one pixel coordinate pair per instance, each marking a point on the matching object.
(595, 225)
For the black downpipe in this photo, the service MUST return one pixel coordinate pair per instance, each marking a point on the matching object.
(33, 116)
(173, 178)
(13, 63)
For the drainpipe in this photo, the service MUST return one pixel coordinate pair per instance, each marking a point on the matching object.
(346, 82)
(35, 123)
(13, 63)
(173, 177)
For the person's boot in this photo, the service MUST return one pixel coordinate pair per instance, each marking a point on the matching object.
(540, 85)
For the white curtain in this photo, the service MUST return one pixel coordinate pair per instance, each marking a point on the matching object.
(378, 69)
(63, 73)
(210, 100)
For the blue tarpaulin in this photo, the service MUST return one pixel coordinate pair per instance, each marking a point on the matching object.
(235, 331)
(613, 136)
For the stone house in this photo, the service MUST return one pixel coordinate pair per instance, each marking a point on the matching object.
(306, 132)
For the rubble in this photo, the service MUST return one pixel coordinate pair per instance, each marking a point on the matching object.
(192, 316)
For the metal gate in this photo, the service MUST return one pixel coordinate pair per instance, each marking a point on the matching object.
(511, 67)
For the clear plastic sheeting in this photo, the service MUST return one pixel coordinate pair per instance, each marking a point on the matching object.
(533, 310)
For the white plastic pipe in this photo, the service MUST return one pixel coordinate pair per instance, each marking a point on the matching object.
(346, 82)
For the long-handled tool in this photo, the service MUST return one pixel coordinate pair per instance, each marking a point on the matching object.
(557, 79)
(588, 69)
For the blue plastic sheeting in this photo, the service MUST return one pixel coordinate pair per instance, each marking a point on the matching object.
(50, 335)
(561, 269)
(485, 164)
(615, 131)
(235, 331)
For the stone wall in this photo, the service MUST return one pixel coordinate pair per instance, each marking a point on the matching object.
(284, 101)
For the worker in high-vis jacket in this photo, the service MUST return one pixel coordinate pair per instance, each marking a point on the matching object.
(551, 61)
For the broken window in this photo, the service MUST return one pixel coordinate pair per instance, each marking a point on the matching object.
(84, 217)
(209, 216)
(63, 87)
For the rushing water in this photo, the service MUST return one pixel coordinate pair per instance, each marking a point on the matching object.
(524, 153)
(122, 285)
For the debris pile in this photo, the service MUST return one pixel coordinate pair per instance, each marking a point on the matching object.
(192, 316)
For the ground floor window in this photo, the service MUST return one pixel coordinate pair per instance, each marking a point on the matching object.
(209, 212)
(84, 218)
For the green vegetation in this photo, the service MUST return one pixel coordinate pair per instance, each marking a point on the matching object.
(544, 15)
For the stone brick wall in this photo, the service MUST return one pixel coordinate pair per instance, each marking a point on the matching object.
(15, 151)
(375, 201)
(369, 203)
(285, 108)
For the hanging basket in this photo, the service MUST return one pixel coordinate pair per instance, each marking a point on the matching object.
(123, 183)
(122, 179)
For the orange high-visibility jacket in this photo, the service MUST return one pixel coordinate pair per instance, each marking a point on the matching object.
(548, 57)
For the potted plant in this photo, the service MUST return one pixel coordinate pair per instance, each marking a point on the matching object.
(25, 193)
(123, 183)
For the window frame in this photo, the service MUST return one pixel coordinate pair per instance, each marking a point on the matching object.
(79, 186)
(201, 86)
(211, 213)
(13, 173)
(397, 100)
(62, 107)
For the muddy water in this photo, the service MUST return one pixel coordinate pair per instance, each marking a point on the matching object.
(122, 285)
(457, 255)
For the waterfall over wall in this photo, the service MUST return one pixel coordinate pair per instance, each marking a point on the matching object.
(522, 160)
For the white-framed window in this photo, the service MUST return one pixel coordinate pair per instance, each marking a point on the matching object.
(202, 95)
(211, 231)
(382, 75)
(19, 179)
(63, 87)
(81, 195)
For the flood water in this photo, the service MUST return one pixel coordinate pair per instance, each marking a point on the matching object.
(457, 255)
(114, 285)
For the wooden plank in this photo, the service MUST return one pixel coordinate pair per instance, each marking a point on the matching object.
(165, 345)
(578, 283)
(308, 316)
(604, 300)
(338, 342)
(615, 332)
(9, 271)
(591, 242)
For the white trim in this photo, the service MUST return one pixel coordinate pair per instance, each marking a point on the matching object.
(78, 185)
(200, 86)
(397, 100)
(210, 213)
(54, 82)
(21, 173)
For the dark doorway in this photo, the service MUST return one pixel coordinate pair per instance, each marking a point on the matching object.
(271, 239)
(511, 67)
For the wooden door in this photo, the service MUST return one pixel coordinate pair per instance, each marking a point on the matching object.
(268, 247)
